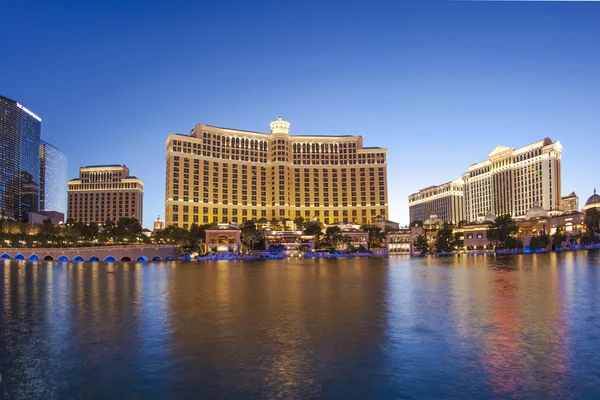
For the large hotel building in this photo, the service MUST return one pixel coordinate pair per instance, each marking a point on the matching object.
(105, 192)
(446, 201)
(509, 181)
(228, 175)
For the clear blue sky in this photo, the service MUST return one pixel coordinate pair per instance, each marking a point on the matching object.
(439, 83)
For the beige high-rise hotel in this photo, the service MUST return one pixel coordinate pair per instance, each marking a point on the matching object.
(514, 180)
(446, 201)
(105, 192)
(227, 175)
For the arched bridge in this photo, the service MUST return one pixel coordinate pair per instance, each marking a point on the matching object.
(101, 253)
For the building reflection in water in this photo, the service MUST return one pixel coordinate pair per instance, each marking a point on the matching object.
(458, 327)
(64, 324)
(513, 314)
(278, 328)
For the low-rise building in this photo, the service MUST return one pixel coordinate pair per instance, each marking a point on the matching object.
(592, 202)
(399, 242)
(38, 218)
(223, 237)
(386, 225)
(288, 241)
(159, 225)
(569, 202)
(475, 232)
(355, 237)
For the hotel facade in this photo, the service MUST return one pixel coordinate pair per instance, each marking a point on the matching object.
(446, 201)
(105, 192)
(514, 180)
(220, 175)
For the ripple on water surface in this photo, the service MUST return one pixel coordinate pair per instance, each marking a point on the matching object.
(453, 327)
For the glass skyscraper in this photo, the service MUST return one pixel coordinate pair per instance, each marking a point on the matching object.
(19, 160)
(53, 179)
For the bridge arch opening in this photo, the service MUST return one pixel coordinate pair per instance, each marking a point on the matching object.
(168, 258)
(19, 257)
(142, 259)
(78, 259)
(109, 259)
(125, 259)
(63, 259)
(48, 258)
(34, 257)
(156, 258)
(94, 258)
(5, 256)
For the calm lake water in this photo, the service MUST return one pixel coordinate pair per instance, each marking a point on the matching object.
(430, 328)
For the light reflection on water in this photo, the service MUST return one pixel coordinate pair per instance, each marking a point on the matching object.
(454, 327)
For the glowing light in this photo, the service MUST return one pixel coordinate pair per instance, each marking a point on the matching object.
(29, 112)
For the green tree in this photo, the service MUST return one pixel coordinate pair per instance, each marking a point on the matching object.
(314, 228)
(249, 235)
(333, 235)
(197, 235)
(299, 221)
(592, 220)
(501, 230)
(444, 239)
(539, 242)
(558, 238)
(376, 236)
(421, 244)
(128, 229)
(47, 229)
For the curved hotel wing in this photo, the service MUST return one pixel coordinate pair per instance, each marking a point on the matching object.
(227, 175)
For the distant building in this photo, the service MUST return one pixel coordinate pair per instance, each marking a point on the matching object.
(385, 224)
(159, 225)
(475, 232)
(223, 237)
(446, 201)
(232, 176)
(55, 217)
(19, 160)
(511, 180)
(399, 242)
(105, 192)
(569, 202)
(289, 241)
(53, 179)
(354, 237)
(592, 202)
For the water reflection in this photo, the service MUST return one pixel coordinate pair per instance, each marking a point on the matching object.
(455, 327)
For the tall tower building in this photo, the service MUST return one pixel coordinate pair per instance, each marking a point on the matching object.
(53, 179)
(446, 201)
(105, 192)
(514, 180)
(19, 160)
(227, 175)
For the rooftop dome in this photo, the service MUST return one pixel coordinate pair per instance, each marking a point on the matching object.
(433, 220)
(280, 126)
(489, 217)
(535, 212)
(593, 201)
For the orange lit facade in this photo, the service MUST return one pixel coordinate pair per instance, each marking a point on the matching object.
(105, 192)
(219, 175)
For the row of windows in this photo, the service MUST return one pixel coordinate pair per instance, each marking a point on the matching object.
(242, 220)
